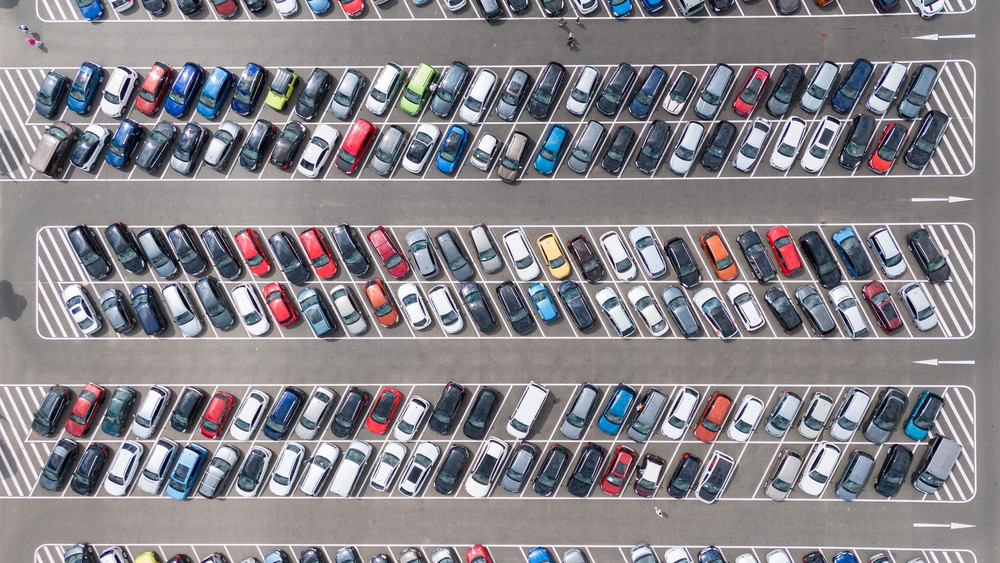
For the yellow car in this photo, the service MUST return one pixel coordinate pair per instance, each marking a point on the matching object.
(281, 88)
(147, 557)
(548, 244)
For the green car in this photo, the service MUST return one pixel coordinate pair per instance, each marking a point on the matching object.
(417, 90)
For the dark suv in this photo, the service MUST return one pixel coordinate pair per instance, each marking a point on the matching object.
(931, 260)
(259, 138)
(444, 412)
(546, 90)
(313, 92)
(616, 89)
(350, 250)
(449, 87)
(820, 259)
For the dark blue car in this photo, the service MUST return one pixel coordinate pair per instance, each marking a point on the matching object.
(852, 86)
(285, 409)
(615, 411)
(123, 144)
(183, 91)
(84, 87)
(645, 97)
(248, 89)
(148, 310)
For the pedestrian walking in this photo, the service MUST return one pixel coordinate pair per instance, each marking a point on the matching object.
(578, 20)
(33, 42)
(659, 512)
(561, 22)
(570, 37)
(23, 28)
(433, 87)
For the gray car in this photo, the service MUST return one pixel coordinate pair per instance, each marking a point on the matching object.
(218, 470)
(388, 149)
(574, 555)
(779, 486)
(819, 87)
(583, 151)
(188, 147)
(815, 309)
(886, 415)
(513, 94)
(449, 87)
(220, 147)
(647, 415)
(782, 414)
(856, 474)
(453, 256)
(155, 248)
(680, 310)
(519, 467)
(486, 251)
(583, 406)
(423, 255)
(213, 301)
(713, 95)
(349, 89)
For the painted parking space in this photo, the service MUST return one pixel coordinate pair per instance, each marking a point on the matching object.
(26, 453)
(954, 302)
(954, 94)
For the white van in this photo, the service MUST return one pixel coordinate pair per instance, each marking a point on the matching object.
(526, 411)
(353, 464)
(689, 7)
(477, 100)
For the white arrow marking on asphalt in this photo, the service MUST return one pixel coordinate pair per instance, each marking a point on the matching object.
(935, 36)
(953, 525)
(937, 362)
(949, 199)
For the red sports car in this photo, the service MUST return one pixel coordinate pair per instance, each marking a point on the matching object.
(353, 8)
(385, 406)
(883, 308)
(378, 297)
(226, 8)
(84, 409)
(618, 470)
(887, 149)
(784, 250)
(216, 414)
(388, 251)
(277, 300)
(154, 88)
(478, 554)
(253, 252)
(318, 252)
(751, 92)
(713, 417)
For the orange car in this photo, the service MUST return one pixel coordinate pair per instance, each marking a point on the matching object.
(378, 296)
(722, 260)
(713, 418)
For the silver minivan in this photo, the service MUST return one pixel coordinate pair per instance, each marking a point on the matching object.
(647, 415)
(935, 467)
(583, 91)
(819, 87)
(583, 151)
(714, 93)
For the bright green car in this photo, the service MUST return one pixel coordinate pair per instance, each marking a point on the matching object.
(281, 88)
(417, 90)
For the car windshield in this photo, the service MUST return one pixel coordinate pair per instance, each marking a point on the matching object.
(750, 151)
(206, 100)
(175, 96)
(780, 422)
(818, 476)
(474, 104)
(411, 96)
(749, 94)
(786, 149)
(888, 150)
(852, 487)
(710, 97)
(547, 154)
(419, 147)
(817, 91)
(684, 153)
(855, 148)
(849, 91)
(449, 150)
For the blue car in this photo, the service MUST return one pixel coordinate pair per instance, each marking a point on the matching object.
(315, 312)
(450, 153)
(551, 149)
(84, 87)
(214, 93)
(248, 89)
(617, 408)
(91, 9)
(543, 303)
(852, 252)
(285, 409)
(319, 7)
(540, 555)
(852, 86)
(845, 557)
(620, 8)
(123, 144)
(182, 91)
(642, 101)
(652, 6)
(185, 473)
(925, 413)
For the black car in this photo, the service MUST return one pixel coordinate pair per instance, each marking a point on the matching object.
(315, 89)
(512, 94)
(254, 148)
(51, 93)
(553, 8)
(681, 311)
(586, 259)
(186, 250)
(519, 466)
(682, 260)
(451, 469)
(311, 555)
(49, 412)
(618, 149)
(546, 90)
(757, 256)
(186, 411)
(890, 477)
(518, 6)
(449, 88)
(147, 309)
(477, 306)
(155, 7)
(719, 6)
(720, 142)
(347, 94)
(213, 301)
(155, 147)
(819, 257)
(645, 97)
(116, 309)
(917, 91)
(886, 416)
(781, 306)
(89, 252)
(928, 255)
(287, 144)
(453, 256)
(444, 412)
(815, 556)
(287, 254)
(653, 147)
(352, 408)
(618, 86)
(856, 142)
(189, 7)
(576, 305)
(851, 87)
(477, 422)
(490, 9)
(217, 244)
(88, 474)
(587, 470)
(719, 318)
(515, 308)
(350, 250)
(785, 90)
(684, 475)
(119, 407)
(58, 466)
(931, 130)
(787, 7)
(122, 242)
(551, 470)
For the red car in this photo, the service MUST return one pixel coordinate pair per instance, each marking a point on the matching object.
(887, 149)
(226, 8)
(253, 252)
(388, 251)
(383, 409)
(154, 88)
(478, 554)
(277, 300)
(318, 252)
(784, 250)
(751, 92)
(84, 409)
(883, 308)
(378, 297)
(216, 414)
(353, 8)
(713, 417)
(618, 470)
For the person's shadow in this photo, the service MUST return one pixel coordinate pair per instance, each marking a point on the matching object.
(11, 304)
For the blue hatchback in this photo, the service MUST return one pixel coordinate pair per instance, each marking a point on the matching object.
(285, 409)
(616, 410)
(852, 86)
(248, 89)
(84, 87)
(319, 7)
(450, 153)
(652, 6)
(551, 149)
(214, 93)
(185, 473)
(123, 144)
(182, 91)
(543, 303)
(620, 8)
(540, 555)
(91, 9)
(925, 413)
(851, 252)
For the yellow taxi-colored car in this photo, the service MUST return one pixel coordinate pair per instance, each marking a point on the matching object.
(553, 255)
(281, 87)
(147, 557)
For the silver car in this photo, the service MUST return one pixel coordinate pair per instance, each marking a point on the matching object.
(354, 321)
(782, 414)
(486, 251)
(782, 481)
(916, 302)
(846, 305)
(178, 302)
(218, 470)
(754, 142)
(424, 260)
(819, 87)
(583, 406)
(648, 251)
(687, 147)
(187, 148)
(714, 93)
(220, 147)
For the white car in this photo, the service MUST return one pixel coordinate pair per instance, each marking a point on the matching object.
(682, 159)
(158, 466)
(96, 136)
(178, 302)
(746, 558)
(818, 150)
(887, 252)
(217, 152)
(615, 312)
(316, 470)
(787, 147)
(647, 308)
(482, 156)
(114, 554)
(748, 414)
(118, 91)
(123, 469)
(147, 416)
(885, 90)
(478, 96)
(424, 457)
(778, 556)
(648, 251)
(310, 423)
(253, 472)
(121, 6)
(250, 309)
(413, 306)
(411, 419)
(384, 88)
(680, 412)
(818, 468)
(287, 8)
(677, 555)
(286, 469)
(916, 302)
(850, 313)
(353, 463)
(815, 416)
(583, 91)
(928, 8)
(781, 481)
(249, 415)
(354, 321)
(754, 142)
(456, 5)
(81, 309)
(746, 306)
(387, 466)
(715, 477)
(618, 256)
(586, 6)
(420, 150)
(486, 468)
(445, 309)
(317, 151)
(520, 255)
